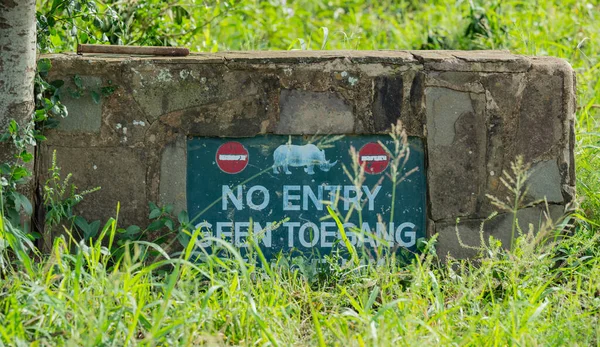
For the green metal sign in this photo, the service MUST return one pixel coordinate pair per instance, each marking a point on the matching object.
(283, 185)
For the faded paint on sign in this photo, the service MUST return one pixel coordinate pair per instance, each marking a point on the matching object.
(286, 184)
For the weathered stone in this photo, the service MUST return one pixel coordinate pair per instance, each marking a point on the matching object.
(545, 182)
(85, 112)
(164, 89)
(119, 172)
(469, 82)
(560, 68)
(480, 61)
(503, 98)
(244, 116)
(476, 110)
(416, 112)
(456, 141)
(303, 112)
(387, 106)
(464, 240)
(309, 57)
(541, 117)
(173, 175)
(117, 128)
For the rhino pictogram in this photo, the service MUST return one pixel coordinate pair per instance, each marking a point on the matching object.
(296, 156)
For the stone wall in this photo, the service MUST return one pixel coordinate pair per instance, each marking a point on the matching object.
(476, 111)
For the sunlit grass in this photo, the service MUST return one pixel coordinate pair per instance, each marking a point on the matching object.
(540, 294)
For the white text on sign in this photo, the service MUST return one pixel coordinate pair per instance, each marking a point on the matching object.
(300, 198)
(307, 234)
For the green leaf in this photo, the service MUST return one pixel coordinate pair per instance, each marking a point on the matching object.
(57, 83)
(26, 156)
(48, 104)
(98, 23)
(156, 225)
(183, 238)
(51, 21)
(180, 13)
(107, 91)
(44, 65)
(55, 5)
(40, 115)
(61, 110)
(34, 235)
(17, 200)
(13, 127)
(19, 173)
(81, 223)
(93, 229)
(155, 214)
(89, 229)
(132, 230)
(83, 37)
(183, 217)
(22, 201)
(169, 224)
(78, 82)
(55, 110)
(4, 168)
(95, 97)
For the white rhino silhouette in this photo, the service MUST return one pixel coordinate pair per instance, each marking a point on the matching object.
(296, 156)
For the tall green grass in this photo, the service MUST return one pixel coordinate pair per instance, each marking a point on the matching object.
(543, 293)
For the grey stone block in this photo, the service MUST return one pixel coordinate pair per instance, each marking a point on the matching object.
(85, 115)
(387, 106)
(160, 89)
(304, 112)
(500, 227)
(173, 175)
(119, 172)
(541, 117)
(456, 142)
(545, 182)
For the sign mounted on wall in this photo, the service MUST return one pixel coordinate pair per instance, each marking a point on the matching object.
(283, 184)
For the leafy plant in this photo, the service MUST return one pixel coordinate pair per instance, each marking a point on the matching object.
(60, 196)
(16, 174)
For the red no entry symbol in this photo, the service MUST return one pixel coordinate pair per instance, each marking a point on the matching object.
(232, 157)
(374, 158)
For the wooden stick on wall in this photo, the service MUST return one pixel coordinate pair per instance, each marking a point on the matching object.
(133, 50)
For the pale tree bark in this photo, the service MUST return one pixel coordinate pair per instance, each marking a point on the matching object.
(17, 73)
(17, 60)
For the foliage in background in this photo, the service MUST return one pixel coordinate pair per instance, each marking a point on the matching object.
(562, 28)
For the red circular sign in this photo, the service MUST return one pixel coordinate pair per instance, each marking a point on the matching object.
(374, 158)
(232, 157)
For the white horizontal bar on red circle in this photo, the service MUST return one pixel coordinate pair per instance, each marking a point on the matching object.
(232, 157)
(374, 158)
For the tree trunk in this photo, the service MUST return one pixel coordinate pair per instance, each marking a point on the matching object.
(17, 73)
(17, 60)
